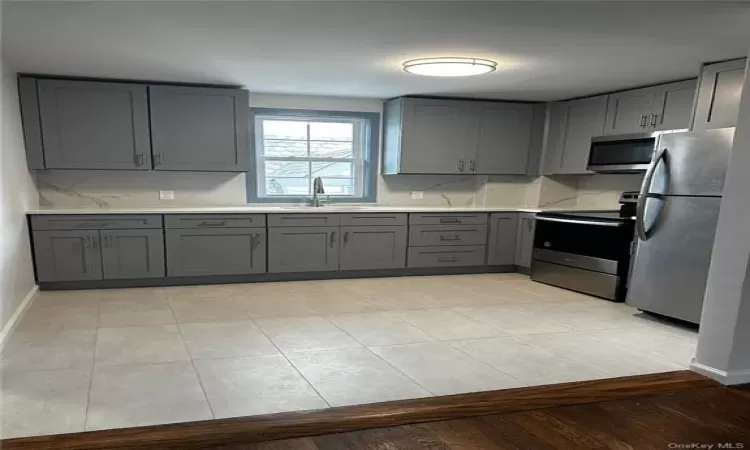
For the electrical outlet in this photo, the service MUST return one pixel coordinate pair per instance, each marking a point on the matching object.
(417, 195)
(166, 195)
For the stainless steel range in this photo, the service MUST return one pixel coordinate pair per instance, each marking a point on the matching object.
(587, 252)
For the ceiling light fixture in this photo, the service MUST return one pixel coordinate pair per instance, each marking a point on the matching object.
(449, 67)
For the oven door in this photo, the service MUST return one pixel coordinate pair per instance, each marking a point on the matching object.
(582, 254)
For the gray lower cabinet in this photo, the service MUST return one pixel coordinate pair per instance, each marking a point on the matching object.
(570, 129)
(501, 247)
(132, 253)
(196, 128)
(215, 251)
(525, 239)
(92, 125)
(303, 249)
(373, 247)
(67, 255)
(719, 95)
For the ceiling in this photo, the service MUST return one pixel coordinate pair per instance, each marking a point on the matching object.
(545, 50)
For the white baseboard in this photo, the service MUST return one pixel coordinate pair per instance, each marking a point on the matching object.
(723, 377)
(17, 316)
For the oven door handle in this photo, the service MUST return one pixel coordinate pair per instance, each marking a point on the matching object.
(579, 221)
(640, 213)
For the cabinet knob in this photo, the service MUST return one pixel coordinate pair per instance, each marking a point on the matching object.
(654, 119)
(644, 121)
(472, 165)
(461, 165)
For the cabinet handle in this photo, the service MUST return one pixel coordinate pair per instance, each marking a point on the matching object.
(157, 159)
(346, 237)
(94, 243)
(471, 165)
(453, 237)
(447, 259)
(87, 242)
(105, 242)
(644, 120)
(461, 165)
(332, 239)
(213, 224)
(450, 220)
(139, 159)
(654, 118)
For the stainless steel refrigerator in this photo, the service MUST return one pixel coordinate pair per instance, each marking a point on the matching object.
(678, 209)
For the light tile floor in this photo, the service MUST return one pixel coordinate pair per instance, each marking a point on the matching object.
(87, 360)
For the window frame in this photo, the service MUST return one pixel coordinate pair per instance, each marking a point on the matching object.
(370, 137)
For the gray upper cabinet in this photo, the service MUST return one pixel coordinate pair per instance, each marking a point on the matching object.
(215, 251)
(93, 125)
(525, 239)
(719, 95)
(629, 111)
(504, 139)
(67, 255)
(570, 129)
(373, 247)
(132, 253)
(501, 248)
(438, 136)
(673, 105)
(303, 249)
(202, 129)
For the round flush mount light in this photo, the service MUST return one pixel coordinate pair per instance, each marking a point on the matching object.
(449, 67)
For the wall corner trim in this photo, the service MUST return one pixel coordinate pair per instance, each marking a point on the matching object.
(17, 316)
(723, 377)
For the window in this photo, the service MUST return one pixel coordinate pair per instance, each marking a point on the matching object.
(292, 148)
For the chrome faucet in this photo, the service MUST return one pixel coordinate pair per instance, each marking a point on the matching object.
(317, 190)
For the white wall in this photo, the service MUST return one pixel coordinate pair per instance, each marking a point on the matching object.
(724, 340)
(17, 193)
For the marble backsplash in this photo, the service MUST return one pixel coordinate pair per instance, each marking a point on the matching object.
(113, 189)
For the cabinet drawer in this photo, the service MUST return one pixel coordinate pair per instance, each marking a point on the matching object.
(303, 220)
(448, 219)
(95, 222)
(214, 220)
(446, 256)
(367, 219)
(426, 235)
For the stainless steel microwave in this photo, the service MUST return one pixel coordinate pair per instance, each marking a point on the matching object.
(624, 153)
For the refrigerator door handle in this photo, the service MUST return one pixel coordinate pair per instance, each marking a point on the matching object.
(640, 226)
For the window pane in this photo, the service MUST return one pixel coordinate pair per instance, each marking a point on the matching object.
(272, 147)
(287, 169)
(338, 169)
(339, 186)
(284, 129)
(287, 186)
(331, 131)
(331, 149)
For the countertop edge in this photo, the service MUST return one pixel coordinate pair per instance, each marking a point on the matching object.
(302, 210)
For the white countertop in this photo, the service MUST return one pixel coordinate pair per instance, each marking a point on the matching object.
(300, 209)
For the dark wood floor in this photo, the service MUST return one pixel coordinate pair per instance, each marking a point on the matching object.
(658, 411)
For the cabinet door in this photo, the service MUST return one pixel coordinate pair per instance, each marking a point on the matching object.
(132, 253)
(91, 125)
(504, 139)
(67, 255)
(215, 251)
(196, 128)
(673, 105)
(571, 127)
(303, 249)
(373, 247)
(438, 136)
(501, 250)
(719, 95)
(629, 111)
(525, 239)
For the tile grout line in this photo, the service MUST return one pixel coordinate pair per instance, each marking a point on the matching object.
(399, 370)
(309, 383)
(91, 375)
(192, 361)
